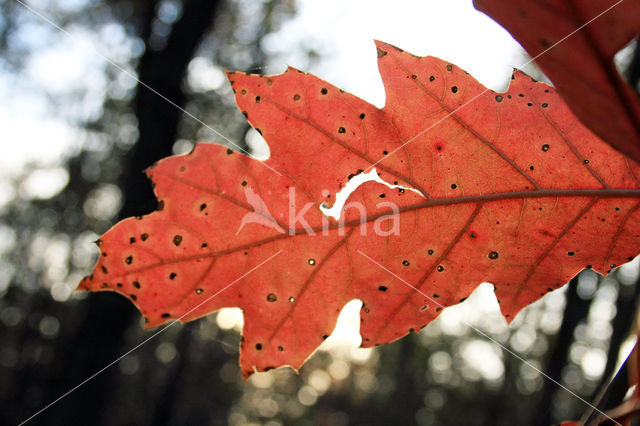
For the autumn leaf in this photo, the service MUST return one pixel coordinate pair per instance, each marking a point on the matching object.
(580, 64)
(507, 188)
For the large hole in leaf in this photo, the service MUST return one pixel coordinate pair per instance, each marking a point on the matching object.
(352, 184)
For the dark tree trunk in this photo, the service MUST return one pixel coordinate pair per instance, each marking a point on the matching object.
(99, 339)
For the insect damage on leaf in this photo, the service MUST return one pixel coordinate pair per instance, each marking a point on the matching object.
(506, 185)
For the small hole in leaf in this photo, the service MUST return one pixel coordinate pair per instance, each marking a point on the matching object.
(128, 260)
(324, 91)
(172, 275)
(570, 253)
(405, 262)
(259, 346)
(431, 78)
(132, 240)
(586, 161)
(440, 268)
(342, 130)
(165, 315)
(244, 183)
(493, 255)
(136, 284)
(257, 99)
(430, 252)
(449, 67)
(144, 237)
(280, 348)
(499, 98)
(382, 288)
(545, 147)
(292, 299)
(199, 291)
(362, 116)
(454, 89)
(312, 261)
(544, 105)
(454, 186)
(177, 239)
(271, 297)
(203, 206)
(296, 97)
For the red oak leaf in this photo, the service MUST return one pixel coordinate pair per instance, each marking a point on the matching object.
(580, 63)
(514, 191)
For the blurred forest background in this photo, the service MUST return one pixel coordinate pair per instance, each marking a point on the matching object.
(53, 338)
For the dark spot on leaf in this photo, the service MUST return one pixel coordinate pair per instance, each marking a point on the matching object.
(493, 255)
(132, 240)
(424, 308)
(160, 205)
(454, 89)
(280, 348)
(449, 67)
(257, 99)
(529, 104)
(431, 78)
(259, 346)
(271, 297)
(229, 151)
(144, 236)
(440, 268)
(203, 245)
(128, 260)
(382, 288)
(380, 52)
(438, 309)
(203, 206)
(324, 91)
(544, 105)
(454, 186)
(499, 98)
(413, 76)
(521, 95)
(545, 147)
(296, 97)
(119, 285)
(105, 285)
(104, 269)
(243, 91)
(362, 116)
(165, 315)
(586, 161)
(381, 196)
(133, 296)
(385, 152)
(199, 291)
(136, 284)
(172, 275)
(405, 262)
(430, 252)
(570, 253)
(531, 168)
(177, 239)
(342, 130)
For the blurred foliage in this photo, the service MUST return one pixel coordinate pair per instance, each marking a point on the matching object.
(54, 338)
